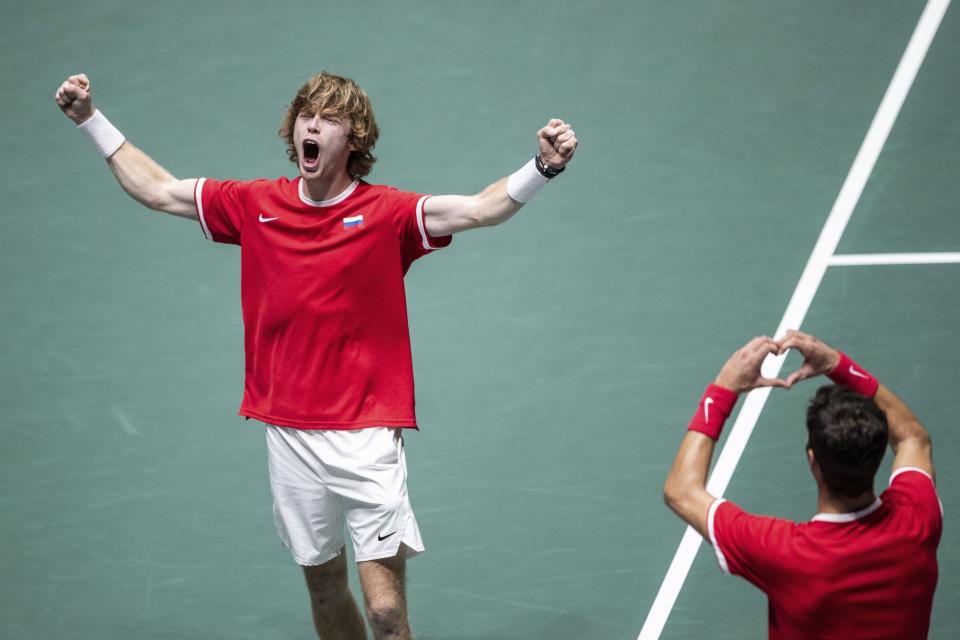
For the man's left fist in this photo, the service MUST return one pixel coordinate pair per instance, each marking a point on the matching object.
(557, 142)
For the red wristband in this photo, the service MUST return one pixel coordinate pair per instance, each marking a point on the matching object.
(715, 407)
(852, 376)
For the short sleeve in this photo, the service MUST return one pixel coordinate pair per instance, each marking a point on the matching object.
(913, 489)
(415, 242)
(746, 545)
(220, 209)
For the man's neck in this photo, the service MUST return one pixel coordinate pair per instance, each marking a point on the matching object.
(321, 188)
(831, 503)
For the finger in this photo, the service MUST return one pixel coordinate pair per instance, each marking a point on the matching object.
(763, 351)
(800, 337)
(773, 382)
(792, 342)
(547, 133)
(70, 90)
(555, 122)
(802, 373)
(79, 79)
(758, 345)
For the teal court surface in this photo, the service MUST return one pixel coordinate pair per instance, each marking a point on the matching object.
(728, 183)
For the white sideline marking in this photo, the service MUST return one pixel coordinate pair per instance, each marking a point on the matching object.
(802, 297)
(893, 258)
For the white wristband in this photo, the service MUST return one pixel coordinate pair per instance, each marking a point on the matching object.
(525, 182)
(104, 136)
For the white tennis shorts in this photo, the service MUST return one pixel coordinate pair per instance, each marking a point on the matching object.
(323, 480)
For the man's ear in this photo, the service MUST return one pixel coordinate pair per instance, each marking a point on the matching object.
(812, 462)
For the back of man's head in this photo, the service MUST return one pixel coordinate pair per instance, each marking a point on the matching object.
(848, 435)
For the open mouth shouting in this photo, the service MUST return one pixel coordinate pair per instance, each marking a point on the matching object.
(310, 156)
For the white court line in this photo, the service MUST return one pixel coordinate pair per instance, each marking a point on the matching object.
(802, 297)
(860, 259)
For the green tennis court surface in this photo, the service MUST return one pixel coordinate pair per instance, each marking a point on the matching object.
(558, 357)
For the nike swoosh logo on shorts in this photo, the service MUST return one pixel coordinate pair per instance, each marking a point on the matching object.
(262, 219)
(382, 538)
(706, 409)
(854, 372)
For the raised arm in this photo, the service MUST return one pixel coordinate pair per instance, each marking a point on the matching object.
(138, 174)
(685, 490)
(448, 214)
(909, 440)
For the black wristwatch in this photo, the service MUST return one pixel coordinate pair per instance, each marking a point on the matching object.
(547, 172)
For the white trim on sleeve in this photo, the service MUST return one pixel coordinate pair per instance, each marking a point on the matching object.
(711, 513)
(422, 227)
(905, 469)
(198, 200)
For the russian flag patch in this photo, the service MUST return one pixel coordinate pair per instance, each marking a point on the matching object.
(353, 221)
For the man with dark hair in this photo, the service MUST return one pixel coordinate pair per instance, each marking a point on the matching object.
(847, 434)
(328, 365)
(864, 566)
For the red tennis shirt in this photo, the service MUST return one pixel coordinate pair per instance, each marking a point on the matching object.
(324, 309)
(870, 574)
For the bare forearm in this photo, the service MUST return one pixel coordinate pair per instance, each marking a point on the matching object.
(443, 215)
(150, 184)
(685, 490)
(905, 428)
(495, 205)
(451, 214)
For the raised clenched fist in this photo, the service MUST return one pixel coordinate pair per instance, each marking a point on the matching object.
(557, 141)
(73, 97)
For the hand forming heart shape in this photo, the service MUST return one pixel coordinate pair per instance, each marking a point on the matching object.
(742, 371)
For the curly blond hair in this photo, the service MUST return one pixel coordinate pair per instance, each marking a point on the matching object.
(329, 95)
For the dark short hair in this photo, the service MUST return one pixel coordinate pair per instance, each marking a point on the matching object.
(848, 434)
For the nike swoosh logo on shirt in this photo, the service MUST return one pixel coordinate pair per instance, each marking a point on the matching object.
(854, 372)
(262, 219)
(706, 409)
(382, 538)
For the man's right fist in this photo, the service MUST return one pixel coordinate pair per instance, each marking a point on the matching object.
(73, 96)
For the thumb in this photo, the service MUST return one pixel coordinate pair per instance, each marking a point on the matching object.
(773, 382)
(800, 374)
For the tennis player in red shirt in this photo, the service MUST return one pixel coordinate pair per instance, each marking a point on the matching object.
(864, 567)
(328, 365)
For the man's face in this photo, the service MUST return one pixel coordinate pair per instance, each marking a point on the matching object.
(322, 144)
